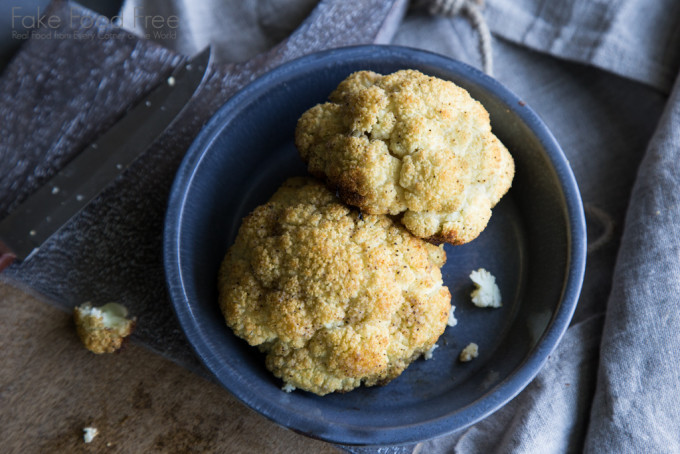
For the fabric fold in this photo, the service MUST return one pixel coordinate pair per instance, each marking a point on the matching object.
(546, 417)
(635, 408)
(635, 39)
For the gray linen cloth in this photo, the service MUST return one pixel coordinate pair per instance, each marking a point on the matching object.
(636, 404)
(599, 80)
(599, 73)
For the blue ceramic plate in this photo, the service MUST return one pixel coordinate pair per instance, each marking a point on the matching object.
(534, 245)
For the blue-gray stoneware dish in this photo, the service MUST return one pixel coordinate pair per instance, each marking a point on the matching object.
(534, 244)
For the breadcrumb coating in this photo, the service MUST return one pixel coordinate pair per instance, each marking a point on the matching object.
(335, 299)
(409, 143)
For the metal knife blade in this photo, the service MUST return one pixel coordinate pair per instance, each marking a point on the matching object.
(85, 176)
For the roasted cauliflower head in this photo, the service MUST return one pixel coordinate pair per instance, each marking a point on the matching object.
(335, 299)
(412, 144)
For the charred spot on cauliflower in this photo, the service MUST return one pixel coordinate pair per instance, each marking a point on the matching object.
(412, 144)
(333, 298)
(102, 329)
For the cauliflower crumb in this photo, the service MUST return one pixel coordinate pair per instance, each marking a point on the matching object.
(89, 434)
(288, 388)
(102, 329)
(486, 293)
(452, 321)
(469, 353)
(428, 354)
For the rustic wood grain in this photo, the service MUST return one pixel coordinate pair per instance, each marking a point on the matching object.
(51, 388)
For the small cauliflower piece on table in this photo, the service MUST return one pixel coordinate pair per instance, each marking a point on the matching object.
(410, 144)
(89, 433)
(333, 298)
(103, 329)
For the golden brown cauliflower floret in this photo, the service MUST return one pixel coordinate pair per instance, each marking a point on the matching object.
(103, 329)
(412, 144)
(334, 299)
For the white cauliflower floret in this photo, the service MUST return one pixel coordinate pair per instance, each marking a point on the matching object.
(89, 434)
(103, 329)
(428, 354)
(452, 321)
(470, 352)
(287, 387)
(486, 293)
(412, 144)
(334, 298)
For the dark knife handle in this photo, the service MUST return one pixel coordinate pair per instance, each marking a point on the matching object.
(6, 256)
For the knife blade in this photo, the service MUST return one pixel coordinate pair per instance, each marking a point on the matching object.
(65, 194)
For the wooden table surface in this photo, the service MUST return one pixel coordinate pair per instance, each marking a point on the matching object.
(51, 387)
